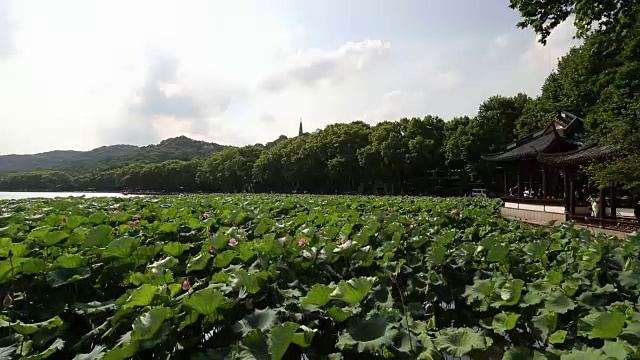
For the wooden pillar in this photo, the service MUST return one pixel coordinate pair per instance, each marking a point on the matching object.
(572, 196)
(544, 182)
(614, 202)
(518, 186)
(602, 205)
(505, 186)
(565, 178)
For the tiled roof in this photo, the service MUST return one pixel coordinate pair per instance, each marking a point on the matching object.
(568, 127)
(584, 155)
(568, 116)
(526, 150)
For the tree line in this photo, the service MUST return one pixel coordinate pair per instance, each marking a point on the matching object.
(337, 158)
(600, 78)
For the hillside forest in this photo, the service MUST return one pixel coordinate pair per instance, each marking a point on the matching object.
(601, 78)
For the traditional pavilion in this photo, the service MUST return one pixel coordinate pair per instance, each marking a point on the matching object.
(542, 181)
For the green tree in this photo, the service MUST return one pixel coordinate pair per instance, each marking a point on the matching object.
(588, 15)
(424, 150)
(385, 156)
(615, 119)
(602, 77)
(281, 168)
(453, 134)
(340, 144)
(44, 180)
(230, 170)
(489, 131)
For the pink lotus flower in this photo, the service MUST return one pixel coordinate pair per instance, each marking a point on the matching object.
(7, 301)
(186, 285)
(343, 241)
(389, 209)
(412, 223)
(455, 212)
(302, 242)
(233, 242)
(206, 215)
(213, 248)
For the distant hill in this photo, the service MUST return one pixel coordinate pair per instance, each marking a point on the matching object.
(109, 157)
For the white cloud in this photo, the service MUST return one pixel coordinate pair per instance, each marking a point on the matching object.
(6, 30)
(434, 74)
(165, 92)
(309, 67)
(396, 104)
(453, 81)
(535, 62)
(503, 40)
(82, 74)
(266, 118)
(167, 102)
(543, 58)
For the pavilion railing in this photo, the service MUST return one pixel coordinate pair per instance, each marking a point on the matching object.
(622, 224)
(530, 200)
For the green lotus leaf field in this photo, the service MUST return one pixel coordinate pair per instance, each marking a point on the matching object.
(308, 277)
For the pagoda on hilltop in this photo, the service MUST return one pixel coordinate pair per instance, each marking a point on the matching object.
(300, 131)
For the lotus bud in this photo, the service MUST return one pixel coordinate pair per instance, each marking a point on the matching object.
(186, 285)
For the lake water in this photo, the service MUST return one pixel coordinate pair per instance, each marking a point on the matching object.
(26, 195)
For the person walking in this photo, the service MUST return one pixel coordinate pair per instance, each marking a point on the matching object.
(595, 205)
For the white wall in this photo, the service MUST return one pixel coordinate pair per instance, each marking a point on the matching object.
(536, 207)
(554, 209)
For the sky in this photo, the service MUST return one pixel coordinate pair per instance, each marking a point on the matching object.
(78, 74)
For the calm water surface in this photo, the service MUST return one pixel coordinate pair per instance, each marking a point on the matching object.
(27, 195)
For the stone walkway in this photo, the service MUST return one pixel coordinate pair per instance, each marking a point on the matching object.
(594, 229)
